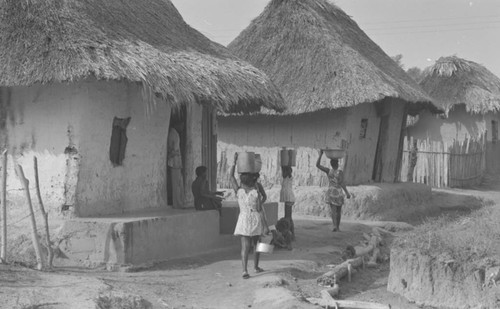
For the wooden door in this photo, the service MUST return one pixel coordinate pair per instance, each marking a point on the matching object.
(383, 136)
(209, 144)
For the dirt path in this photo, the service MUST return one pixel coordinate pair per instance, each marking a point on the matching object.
(214, 280)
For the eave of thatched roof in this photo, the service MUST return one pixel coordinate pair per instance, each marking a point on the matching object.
(320, 59)
(452, 80)
(45, 41)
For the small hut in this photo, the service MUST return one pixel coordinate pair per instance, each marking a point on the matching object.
(97, 81)
(340, 88)
(89, 88)
(470, 96)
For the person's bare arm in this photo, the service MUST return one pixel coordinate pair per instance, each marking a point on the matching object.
(264, 220)
(318, 163)
(262, 192)
(234, 183)
(207, 193)
(347, 194)
(260, 209)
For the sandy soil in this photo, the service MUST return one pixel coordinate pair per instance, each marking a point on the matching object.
(214, 280)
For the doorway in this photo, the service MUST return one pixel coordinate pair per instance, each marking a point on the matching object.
(209, 144)
(383, 136)
(177, 123)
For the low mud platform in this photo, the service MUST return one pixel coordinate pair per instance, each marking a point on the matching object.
(146, 237)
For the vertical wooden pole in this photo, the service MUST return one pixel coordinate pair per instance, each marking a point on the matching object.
(34, 234)
(44, 214)
(447, 158)
(3, 201)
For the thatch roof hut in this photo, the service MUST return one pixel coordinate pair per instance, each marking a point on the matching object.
(470, 96)
(89, 87)
(74, 73)
(44, 41)
(320, 59)
(340, 89)
(453, 80)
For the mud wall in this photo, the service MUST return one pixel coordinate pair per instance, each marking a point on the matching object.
(193, 149)
(458, 125)
(488, 117)
(92, 242)
(392, 159)
(307, 133)
(439, 281)
(68, 127)
(492, 147)
(267, 134)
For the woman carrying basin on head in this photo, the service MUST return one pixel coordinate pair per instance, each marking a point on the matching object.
(336, 189)
(252, 221)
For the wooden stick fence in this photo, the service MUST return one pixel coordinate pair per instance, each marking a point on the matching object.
(439, 164)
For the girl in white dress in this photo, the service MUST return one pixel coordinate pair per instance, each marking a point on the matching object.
(251, 220)
(287, 196)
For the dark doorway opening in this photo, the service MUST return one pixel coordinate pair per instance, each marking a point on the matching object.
(118, 141)
(383, 136)
(177, 118)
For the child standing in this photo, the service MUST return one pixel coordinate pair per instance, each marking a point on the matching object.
(287, 196)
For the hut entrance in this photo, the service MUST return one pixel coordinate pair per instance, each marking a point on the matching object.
(176, 154)
(209, 144)
(381, 144)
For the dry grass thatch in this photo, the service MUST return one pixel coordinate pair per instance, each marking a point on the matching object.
(452, 80)
(320, 58)
(44, 41)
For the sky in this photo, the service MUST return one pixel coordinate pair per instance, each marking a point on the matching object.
(420, 30)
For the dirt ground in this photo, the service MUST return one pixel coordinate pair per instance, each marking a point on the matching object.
(214, 280)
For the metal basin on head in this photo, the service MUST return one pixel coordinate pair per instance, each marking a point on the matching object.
(336, 153)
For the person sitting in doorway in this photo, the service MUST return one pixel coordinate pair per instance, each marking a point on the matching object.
(203, 198)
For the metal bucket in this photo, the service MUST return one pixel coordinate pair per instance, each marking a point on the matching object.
(288, 157)
(292, 157)
(246, 162)
(257, 163)
(265, 248)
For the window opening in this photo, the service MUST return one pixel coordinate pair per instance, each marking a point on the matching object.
(364, 126)
(118, 140)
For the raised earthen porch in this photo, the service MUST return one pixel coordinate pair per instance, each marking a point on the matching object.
(149, 236)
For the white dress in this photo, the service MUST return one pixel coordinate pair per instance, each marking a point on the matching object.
(249, 220)
(286, 193)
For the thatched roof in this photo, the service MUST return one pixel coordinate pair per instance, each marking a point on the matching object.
(452, 80)
(147, 41)
(320, 59)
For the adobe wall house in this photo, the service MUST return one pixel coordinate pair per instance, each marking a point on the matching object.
(340, 88)
(470, 95)
(68, 126)
(74, 73)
